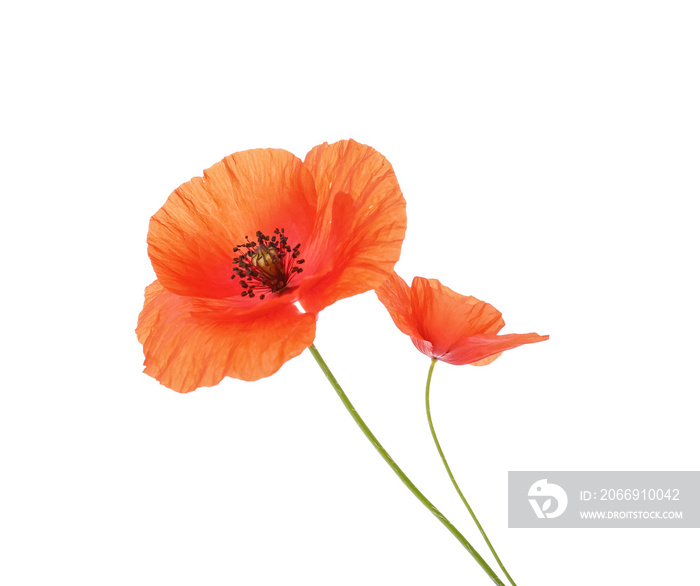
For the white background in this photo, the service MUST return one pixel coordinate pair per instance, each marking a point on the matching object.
(548, 152)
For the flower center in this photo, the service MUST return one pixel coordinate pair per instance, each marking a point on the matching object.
(266, 265)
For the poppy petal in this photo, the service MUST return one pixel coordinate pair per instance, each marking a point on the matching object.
(360, 235)
(479, 347)
(191, 238)
(188, 344)
(445, 317)
(395, 295)
(442, 324)
(486, 361)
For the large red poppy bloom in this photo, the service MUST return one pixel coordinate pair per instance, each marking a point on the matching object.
(448, 326)
(236, 249)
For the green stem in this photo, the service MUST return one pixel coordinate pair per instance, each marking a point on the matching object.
(387, 458)
(449, 472)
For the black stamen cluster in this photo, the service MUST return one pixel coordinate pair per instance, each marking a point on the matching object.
(268, 264)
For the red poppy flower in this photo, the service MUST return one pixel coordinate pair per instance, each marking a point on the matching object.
(448, 326)
(236, 249)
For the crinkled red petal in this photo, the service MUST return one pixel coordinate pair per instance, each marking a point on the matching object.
(191, 238)
(190, 342)
(358, 238)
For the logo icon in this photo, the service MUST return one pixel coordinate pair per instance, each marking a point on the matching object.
(542, 488)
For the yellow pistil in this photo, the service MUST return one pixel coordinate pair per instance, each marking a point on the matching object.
(269, 265)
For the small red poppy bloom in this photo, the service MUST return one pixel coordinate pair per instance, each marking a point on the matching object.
(448, 326)
(235, 250)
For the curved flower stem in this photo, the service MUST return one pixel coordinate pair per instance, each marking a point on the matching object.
(387, 458)
(449, 472)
